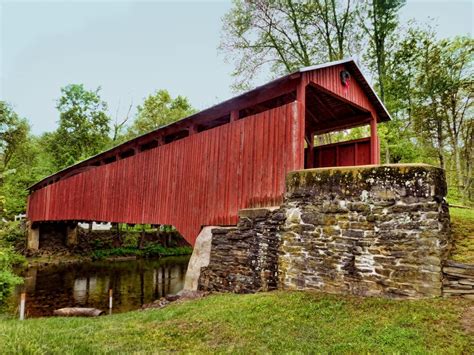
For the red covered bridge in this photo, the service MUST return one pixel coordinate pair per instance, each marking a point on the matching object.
(202, 169)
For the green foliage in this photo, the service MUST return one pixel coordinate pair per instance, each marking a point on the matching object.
(8, 258)
(13, 132)
(13, 135)
(158, 110)
(380, 21)
(12, 234)
(154, 250)
(276, 322)
(30, 163)
(83, 126)
(429, 90)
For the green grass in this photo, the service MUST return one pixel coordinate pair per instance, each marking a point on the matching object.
(154, 250)
(462, 224)
(259, 323)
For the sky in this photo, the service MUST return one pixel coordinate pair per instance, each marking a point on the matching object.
(130, 49)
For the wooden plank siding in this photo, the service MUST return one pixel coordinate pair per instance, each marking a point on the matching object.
(348, 153)
(203, 179)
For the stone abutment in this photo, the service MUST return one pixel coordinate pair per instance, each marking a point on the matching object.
(368, 231)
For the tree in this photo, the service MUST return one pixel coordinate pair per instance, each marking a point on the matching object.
(83, 126)
(430, 86)
(13, 131)
(380, 21)
(157, 110)
(22, 161)
(120, 124)
(283, 36)
(456, 80)
(400, 87)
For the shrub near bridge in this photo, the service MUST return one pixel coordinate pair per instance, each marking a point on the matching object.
(8, 279)
(11, 238)
(153, 250)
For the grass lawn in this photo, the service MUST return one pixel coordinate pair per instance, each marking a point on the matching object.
(265, 322)
(462, 223)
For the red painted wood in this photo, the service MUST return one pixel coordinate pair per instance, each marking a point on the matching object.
(346, 155)
(203, 179)
(355, 152)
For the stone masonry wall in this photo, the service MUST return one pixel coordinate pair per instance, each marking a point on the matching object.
(244, 259)
(371, 231)
(458, 279)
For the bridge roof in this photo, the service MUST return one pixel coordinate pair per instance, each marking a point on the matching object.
(220, 113)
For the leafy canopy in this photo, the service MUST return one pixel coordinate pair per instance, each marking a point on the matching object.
(83, 126)
(158, 110)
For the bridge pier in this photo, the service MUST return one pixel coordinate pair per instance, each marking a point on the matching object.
(71, 234)
(32, 242)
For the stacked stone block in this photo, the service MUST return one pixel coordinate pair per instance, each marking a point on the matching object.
(458, 279)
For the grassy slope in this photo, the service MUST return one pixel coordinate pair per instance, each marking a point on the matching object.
(277, 321)
(462, 222)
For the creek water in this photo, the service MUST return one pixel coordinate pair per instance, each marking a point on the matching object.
(87, 284)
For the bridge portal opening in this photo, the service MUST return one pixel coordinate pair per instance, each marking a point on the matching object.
(327, 113)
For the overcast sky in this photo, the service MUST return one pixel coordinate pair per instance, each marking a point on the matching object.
(131, 49)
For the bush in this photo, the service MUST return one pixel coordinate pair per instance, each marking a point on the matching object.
(12, 234)
(154, 250)
(8, 258)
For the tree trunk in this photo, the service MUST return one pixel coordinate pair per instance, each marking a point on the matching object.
(459, 174)
(440, 143)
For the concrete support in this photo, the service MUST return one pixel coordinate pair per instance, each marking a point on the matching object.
(199, 258)
(33, 236)
(71, 235)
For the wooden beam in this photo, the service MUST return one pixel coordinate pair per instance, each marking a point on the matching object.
(374, 150)
(301, 99)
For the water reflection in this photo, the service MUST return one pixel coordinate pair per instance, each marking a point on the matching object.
(134, 283)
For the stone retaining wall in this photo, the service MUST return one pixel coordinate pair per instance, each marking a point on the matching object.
(458, 279)
(370, 231)
(245, 259)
